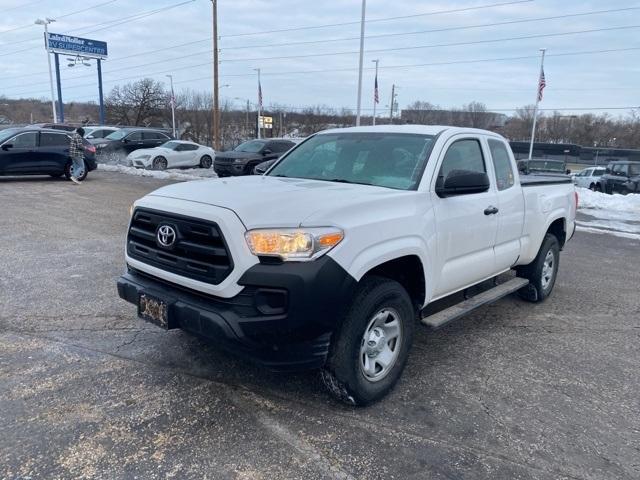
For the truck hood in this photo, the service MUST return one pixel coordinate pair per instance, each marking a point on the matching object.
(283, 202)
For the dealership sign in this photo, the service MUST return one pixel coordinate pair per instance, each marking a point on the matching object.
(69, 45)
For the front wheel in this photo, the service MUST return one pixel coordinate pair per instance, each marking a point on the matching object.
(369, 351)
(160, 163)
(542, 272)
(206, 162)
(68, 171)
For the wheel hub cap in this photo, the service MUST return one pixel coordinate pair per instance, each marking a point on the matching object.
(376, 342)
(547, 269)
(381, 344)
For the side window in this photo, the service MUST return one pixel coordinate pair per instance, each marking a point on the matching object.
(281, 147)
(462, 155)
(134, 137)
(189, 147)
(155, 136)
(24, 140)
(54, 140)
(501, 164)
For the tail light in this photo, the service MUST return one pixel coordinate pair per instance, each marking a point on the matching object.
(92, 149)
(575, 194)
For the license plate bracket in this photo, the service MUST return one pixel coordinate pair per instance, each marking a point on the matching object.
(154, 310)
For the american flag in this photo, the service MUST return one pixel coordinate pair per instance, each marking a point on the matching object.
(376, 93)
(541, 84)
(260, 95)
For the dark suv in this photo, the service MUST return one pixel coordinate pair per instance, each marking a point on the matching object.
(620, 177)
(242, 159)
(124, 141)
(39, 151)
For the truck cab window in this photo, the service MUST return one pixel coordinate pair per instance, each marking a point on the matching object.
(501, 164)
(462, 155)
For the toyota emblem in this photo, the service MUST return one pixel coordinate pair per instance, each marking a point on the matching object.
(166, 236)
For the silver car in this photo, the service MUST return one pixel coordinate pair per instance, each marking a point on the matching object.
(588, 178)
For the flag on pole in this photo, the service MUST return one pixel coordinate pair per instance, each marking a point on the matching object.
(376, 93)
(542, 82)
(259, 95)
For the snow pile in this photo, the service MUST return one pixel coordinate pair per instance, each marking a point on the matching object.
(170, 174)
(613, 214)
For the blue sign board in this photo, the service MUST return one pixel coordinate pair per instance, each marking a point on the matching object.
(67, 44)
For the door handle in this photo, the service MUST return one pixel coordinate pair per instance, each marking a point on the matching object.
(490, 210)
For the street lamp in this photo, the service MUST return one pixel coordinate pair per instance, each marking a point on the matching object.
(360, 64)
(173, 107)
(46, 23)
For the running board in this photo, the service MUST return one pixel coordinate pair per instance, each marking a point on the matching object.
(443, 317)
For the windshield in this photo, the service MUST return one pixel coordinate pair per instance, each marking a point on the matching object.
(172, 145)
(634, 169)
(393, 160)
(252, 146)
(117, 135)
(7, 133)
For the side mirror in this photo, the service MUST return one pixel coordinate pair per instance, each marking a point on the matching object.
(522, 167)
(89, 136)
(568, 172)
(607, 170)
(266, 151)
(126, 140)
(7, 146)
(463, 182)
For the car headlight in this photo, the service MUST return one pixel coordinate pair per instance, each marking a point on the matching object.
(142, 157)
(293, 244)
(238, 161)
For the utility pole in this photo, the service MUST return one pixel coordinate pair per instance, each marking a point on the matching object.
(393, 102)
(46, 23)
(216, 105)
(362, 20)
(375, 93)
(173, 107)
(535, 111)
(259, 102)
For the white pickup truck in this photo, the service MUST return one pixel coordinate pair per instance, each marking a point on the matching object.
(329, 259)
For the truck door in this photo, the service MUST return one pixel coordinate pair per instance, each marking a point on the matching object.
(466, 224)
(510, 206)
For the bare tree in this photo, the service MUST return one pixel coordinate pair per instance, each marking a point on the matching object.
(137, 103)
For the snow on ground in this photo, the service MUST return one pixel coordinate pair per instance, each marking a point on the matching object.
(611, 214)
(169, 174)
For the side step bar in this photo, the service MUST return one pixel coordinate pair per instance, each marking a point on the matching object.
(443, 317)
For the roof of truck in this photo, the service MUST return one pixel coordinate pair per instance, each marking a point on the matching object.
(415, 129)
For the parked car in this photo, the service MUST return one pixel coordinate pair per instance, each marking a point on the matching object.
(261, 168)
(327, 260)
(242, 159)
(620, 177)
(55, 126)
(39, 151)
(588, 178)
(543, 165)
(126, 140)
(98, 131)
(173, 154)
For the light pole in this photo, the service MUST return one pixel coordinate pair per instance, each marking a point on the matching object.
(173, 107)
(360, 66)
(394, 95)
(259, 102)
(46, 23)
(216, 106)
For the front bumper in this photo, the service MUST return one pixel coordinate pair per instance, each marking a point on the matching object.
(229, 169)
(282, 319)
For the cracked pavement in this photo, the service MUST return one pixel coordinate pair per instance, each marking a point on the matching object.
(87, 390)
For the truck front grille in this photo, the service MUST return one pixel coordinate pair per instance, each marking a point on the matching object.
(199, 250)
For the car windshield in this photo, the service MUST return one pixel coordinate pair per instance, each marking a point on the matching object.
(392, 160)
(117, 135)
(7, 133)
(252, 146)
(172, 145)
(634, 169)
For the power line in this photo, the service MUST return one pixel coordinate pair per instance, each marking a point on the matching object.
(21, 6)
(385, 19)
(436, 30)
(387, 67)
(437, 45)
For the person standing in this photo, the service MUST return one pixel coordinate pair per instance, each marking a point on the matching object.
(76, 152)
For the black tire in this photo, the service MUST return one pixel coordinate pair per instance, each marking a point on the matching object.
(624, 191)
(598, 188)
(67, 171)
(159, 163)
(541, 276)
(593, 187)
(206, 161)
(343, 375)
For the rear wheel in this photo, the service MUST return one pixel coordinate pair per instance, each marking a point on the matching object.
(597, 188)
(370, 350)
(160, 163)
(206, 162)
(542, 272)
(68, 171)
(593, 187)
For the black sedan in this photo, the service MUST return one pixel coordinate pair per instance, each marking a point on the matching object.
(119, 144)
(243, 159)
(40, 151)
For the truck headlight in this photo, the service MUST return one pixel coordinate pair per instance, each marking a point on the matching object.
(239, 161)
(294, 244)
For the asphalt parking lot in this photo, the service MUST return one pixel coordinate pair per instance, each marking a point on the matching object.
(87, 390)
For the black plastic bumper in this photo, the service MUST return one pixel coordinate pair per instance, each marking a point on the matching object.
(283, 319)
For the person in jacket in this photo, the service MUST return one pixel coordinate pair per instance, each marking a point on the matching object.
(76, 152)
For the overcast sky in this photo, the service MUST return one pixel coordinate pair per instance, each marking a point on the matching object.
(574, 81)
